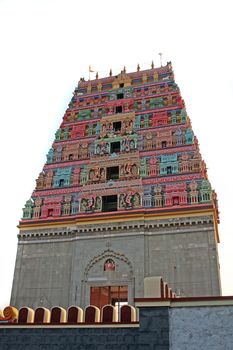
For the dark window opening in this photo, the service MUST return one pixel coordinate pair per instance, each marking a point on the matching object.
(118, 109)
(169, 170)
(121, 85)
(113, 173)
(164, 144)
(61, 182)
(117, 126)
(50, 212)
(115, 147)
(71, 157)
(120, 96)
(109, 203)
(175, 201)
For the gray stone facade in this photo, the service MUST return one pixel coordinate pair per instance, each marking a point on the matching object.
(58, 266)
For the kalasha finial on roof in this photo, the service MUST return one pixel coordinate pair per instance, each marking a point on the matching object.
(124, 70)
(97, 75)
(138, 67)
(152, 65)
(110, 72)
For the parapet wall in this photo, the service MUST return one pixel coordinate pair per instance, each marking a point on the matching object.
(176, 324)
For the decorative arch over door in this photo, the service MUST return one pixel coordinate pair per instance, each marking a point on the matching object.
(108, 279)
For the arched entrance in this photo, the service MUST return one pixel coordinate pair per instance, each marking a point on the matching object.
(108, 279)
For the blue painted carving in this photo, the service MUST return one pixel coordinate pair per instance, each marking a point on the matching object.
(74, 208)
(28, 210)
(146, 120)
(84, 114)
(98, 128)
(189, 136)
(137, 122)
(183, 116)
(205, 192)
(169, 164)
(50, 155)
(58, 135)
(62, 177)
(173, 117)
(66, 133)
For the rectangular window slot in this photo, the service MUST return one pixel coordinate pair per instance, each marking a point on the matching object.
(120, 96)
(109, 203)
(115, 147)
(61, 182)
(121, 85)
(117, 126)
(118, 109)
(164, 144)
(169, 170)
(113, 173)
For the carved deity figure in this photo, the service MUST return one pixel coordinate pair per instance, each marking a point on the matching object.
(126, 144)
(136, 200)
(98, 203)
(109, 265)
(90, 203)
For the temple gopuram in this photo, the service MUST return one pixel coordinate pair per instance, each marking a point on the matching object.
(122, 199)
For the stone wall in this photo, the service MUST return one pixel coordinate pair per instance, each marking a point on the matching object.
(164, 325)
(152, 334)
(209, 328)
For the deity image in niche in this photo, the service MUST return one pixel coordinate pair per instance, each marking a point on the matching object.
(107, 148)
(132, 144)
(136, 200)
(91, 174)
(126, 145)
(134, 169)
(98, 203)
(102, 174)
(109, 265)
(90, 203)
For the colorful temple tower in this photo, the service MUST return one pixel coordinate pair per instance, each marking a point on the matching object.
(124, 195)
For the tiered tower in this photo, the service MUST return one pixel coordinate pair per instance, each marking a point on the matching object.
(124, 195)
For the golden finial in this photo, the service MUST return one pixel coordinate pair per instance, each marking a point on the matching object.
(97, 75)
(152, 65)
(110, 73)
(138, 67)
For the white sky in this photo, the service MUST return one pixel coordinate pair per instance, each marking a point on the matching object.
(47, 45)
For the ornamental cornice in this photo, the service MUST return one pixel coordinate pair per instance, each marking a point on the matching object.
(167, 127)
(113, 185)
(117, 117)
(135, 228)
(65, 163)
(167, 150)
(74, 141)
(166, 179)
(162, 94)
(133, 154)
